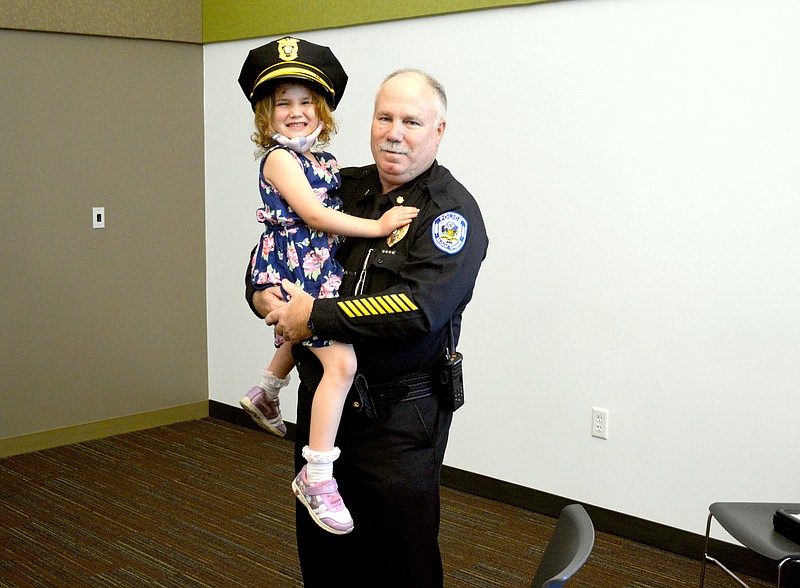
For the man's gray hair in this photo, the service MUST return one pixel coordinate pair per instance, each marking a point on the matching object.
(435, 85)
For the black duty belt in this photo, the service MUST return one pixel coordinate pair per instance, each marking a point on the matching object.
(403, 389)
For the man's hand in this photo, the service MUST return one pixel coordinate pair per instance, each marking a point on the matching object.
(290, 318)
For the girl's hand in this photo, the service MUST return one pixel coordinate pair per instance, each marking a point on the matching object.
(267, 300)
(396, 217)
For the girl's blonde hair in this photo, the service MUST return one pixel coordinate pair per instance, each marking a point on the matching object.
(263, 121)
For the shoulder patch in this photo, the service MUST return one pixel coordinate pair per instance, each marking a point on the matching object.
(449, 232)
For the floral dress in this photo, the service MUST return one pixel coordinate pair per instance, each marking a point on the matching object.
(289, 248)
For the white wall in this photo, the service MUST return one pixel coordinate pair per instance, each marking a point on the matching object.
(636, 162)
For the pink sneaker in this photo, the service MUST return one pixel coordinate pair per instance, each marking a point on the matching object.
(324, 504)
(264, 411)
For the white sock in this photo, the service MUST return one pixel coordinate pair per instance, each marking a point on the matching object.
(319, 472)
(272, 384)
(319, 464)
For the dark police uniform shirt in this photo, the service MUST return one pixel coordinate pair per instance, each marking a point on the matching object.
(399, 292)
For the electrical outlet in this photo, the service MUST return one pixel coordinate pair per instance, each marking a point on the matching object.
(600, 422)
(98, 217)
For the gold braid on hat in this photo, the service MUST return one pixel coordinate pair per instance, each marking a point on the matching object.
(312, 73)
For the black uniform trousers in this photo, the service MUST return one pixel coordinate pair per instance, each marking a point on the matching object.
(388, 476)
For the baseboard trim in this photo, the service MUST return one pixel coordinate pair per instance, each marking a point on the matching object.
(621, 525)
(237, 416)
(99, 429)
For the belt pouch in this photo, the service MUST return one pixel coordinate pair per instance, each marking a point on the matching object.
(364, 406)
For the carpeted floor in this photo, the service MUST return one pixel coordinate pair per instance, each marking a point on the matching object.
(207, 504)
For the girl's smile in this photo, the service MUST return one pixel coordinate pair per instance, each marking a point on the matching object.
(294, 113)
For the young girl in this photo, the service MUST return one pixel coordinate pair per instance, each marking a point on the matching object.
(293, 86)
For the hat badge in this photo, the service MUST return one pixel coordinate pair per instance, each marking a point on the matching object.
(287, 49)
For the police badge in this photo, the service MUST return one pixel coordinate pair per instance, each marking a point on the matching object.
(287, 48)
(395, 236)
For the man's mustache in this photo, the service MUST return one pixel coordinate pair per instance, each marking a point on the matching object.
(392, 147)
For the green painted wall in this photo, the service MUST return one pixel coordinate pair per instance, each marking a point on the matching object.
(226, 20)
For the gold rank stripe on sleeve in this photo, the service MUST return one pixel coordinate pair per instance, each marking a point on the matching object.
(375, 305)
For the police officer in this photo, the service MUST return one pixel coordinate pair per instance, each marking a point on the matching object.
(400, 306)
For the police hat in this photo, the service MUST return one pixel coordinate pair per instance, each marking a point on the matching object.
(291, 58)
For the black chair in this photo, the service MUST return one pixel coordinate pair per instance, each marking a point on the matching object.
(568, 549)
(750, 523)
